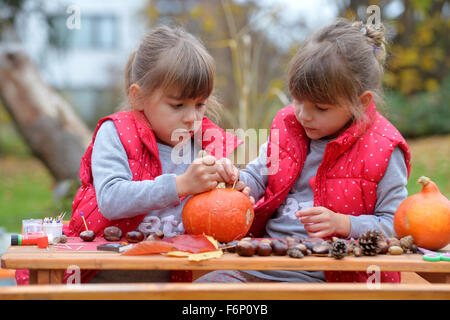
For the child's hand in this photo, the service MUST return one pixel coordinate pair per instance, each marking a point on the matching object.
(321, 222)
(230, 175)
(199, 177)
(242, 187)
(227, 171)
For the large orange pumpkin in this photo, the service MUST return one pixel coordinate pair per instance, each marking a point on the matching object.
(425, 216)
(223, 213)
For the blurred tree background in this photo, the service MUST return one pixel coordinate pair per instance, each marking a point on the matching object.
(250, 66)
(417, 81)
(252, 44)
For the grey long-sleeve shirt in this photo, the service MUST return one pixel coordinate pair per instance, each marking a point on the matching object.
(118, 196)
(391, 192)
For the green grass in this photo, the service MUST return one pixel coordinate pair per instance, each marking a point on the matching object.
(25, 192)
(430, 157)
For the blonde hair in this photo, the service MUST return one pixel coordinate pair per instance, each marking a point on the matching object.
(338, 63)
(170, 58)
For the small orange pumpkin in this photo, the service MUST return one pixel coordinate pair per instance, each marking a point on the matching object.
(223, 213)
(425, 216)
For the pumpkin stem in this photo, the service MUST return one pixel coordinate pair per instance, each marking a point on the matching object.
(221, 185)
(423, 180)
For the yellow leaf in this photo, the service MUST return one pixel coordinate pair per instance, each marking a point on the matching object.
(209, 24)
(181, 254)
(431, 84)
(213, 241)
(196, 12)
(390, 79)
(427, 63)
(424, 36)
(205, 255)
(410, 57)
(152, 12)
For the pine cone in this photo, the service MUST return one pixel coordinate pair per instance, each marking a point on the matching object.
(338, 248)
(369, 242)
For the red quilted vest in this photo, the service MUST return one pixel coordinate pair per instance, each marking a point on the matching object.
(346, 180)
(140, 145)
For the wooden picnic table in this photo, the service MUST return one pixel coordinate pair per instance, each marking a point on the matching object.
(47, 266)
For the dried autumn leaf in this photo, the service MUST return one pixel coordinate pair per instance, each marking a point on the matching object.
(205, 255)
(213, 241)
(191, 243)
(179, 254)
(149, 247)
(196, 256)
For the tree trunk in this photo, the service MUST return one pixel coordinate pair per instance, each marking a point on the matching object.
(54, 133)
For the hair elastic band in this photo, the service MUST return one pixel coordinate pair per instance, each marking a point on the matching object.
(375, 47)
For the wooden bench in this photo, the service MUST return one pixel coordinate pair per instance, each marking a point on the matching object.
(228, 291)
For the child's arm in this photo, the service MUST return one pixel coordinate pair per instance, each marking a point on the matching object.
(321, 222)
(253, 175)
(202, 175)
(251, 181)
(391, 192)
(117, 195)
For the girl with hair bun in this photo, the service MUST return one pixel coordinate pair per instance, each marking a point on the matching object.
(341, 168)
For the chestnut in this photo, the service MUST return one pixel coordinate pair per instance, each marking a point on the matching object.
(264, 249)
(292, 240)
(231, 246)
(295, 253)
(321, 248)
(311, 243)
(383, 245)
(158, 235)
(357, 252)
(302, 248)
(112, 233)
(245, 248)
(392, 241)
(88, 235)
(279, 248)
(134, 236)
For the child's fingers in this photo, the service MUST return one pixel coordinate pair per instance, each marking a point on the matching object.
(202, 154)
(246, 190)
(312, 219)
(310, 211)
(209, 161)
(320, 234)
(230, 170)
(240, 186)
(205, 158)
(214, 176)
(315, 227)
(211, 184)
(225, 169)
(306, 213)
(223, 174)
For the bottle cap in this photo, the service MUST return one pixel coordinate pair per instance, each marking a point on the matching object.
(16, 240)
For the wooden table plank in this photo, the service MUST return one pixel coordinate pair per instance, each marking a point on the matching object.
(32, 257)
(227, 291)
